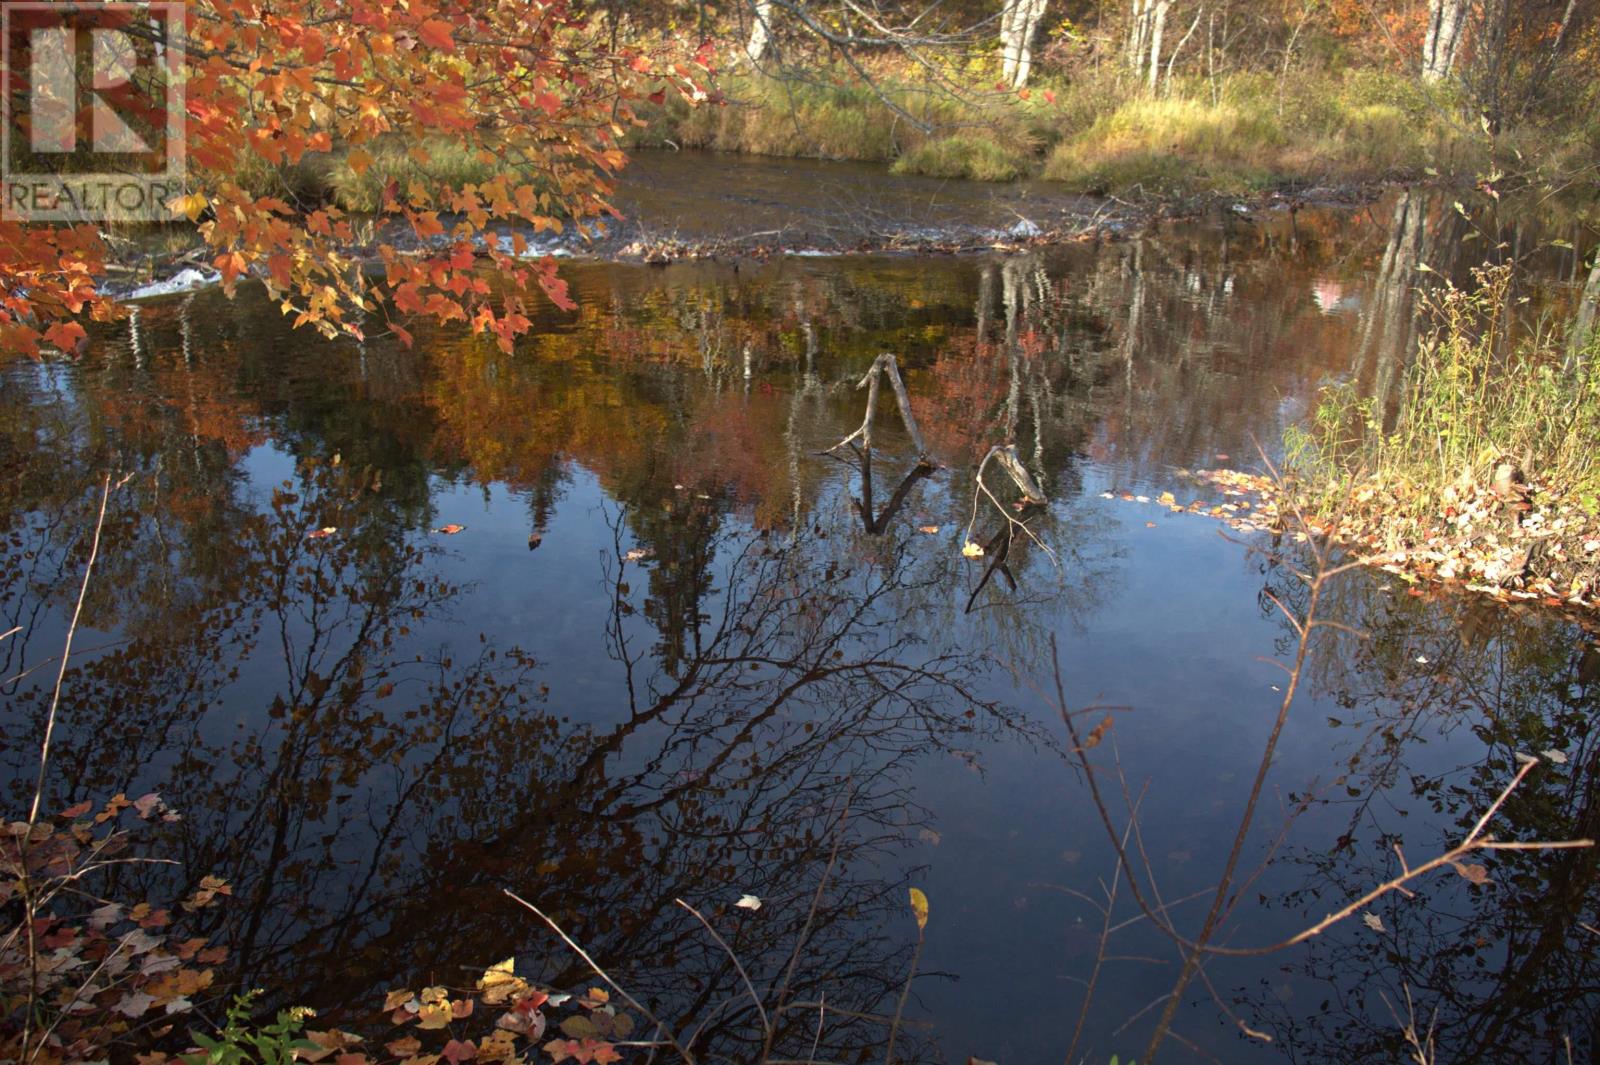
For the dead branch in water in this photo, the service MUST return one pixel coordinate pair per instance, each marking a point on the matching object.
(885, 365)
(1032, 494)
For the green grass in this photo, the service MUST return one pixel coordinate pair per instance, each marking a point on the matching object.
(1473, 401)
(1254, 133)
(329, 178)
(967, 155)
(834, 115)
(449, 165)
(1095, 133)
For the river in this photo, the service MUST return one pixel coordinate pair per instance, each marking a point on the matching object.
(674, 650)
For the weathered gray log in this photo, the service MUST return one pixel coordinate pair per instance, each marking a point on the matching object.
(885, 364)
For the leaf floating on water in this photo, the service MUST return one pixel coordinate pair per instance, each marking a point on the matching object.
(639, 554)
(1558, 757)
(322, 533)
(404, 1048)
(971, 550)
(929, 529)
(748, 902)
(450, 530)
(919, 908)
(1167, 498)
(928, 835)
(498, 982)
(1473, 873)
(1372, 921)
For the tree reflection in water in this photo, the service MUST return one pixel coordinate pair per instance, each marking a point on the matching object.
(370, 799)
(1507, 970)
(369, 772)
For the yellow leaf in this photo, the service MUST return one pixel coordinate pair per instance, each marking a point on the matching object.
(358, 160)
(971, 550)
(190, 205)
(498, 983)
(434, 1014)
(919, 908)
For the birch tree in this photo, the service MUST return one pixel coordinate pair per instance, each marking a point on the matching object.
(1019, 22)
(1146, 27)
(1447, 23)
(760, 31)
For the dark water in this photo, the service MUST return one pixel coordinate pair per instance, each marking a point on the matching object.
(371, 734)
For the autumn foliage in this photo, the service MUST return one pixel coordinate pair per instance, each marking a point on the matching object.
(534, 86)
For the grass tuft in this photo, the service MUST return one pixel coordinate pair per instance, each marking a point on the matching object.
(966, 155)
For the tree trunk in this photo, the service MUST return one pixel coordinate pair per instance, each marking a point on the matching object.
(1158, 26)
(1583, 327)
(1447, 21)
(1019, 21)
(760, 31)
(1139, 37)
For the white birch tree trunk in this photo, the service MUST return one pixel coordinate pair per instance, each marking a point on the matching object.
(1447, 22)
(1138, 49)
(1019, 22)
(760, 31)
(1158, 26)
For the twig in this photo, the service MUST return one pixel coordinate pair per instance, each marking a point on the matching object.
(30, 902)
(805, 929)
(1031, 492)
(766, 1025)
(618, 988)
(905, 993)
(66, 654)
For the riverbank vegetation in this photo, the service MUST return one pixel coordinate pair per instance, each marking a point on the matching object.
(1484, 469)
(1137, 100)
(1161, 98)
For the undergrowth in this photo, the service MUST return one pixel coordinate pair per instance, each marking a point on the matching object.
(1235, 135)
(1480, 406)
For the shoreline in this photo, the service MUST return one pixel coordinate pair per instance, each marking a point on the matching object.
(137, 274)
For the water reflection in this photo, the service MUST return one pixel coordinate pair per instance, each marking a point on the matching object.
(731, 655)
(1504, 970)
